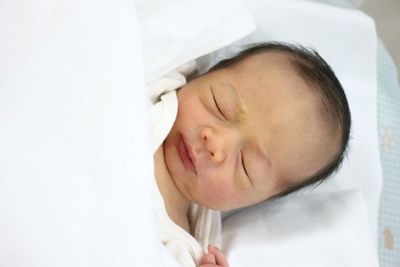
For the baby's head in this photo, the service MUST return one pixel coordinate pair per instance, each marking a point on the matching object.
(258, 126)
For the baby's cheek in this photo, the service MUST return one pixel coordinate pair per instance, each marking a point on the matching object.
(218, 193)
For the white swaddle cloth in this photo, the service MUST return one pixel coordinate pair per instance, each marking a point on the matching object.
(163, 105)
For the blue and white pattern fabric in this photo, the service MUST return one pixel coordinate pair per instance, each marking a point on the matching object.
(389, 142)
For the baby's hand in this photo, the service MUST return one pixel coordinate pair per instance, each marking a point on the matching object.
(213, 258)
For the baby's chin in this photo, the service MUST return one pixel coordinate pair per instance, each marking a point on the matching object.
(214, 204)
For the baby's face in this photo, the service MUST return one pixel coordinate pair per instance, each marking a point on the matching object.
(250, 131)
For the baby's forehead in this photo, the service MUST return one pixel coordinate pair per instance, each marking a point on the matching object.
(268, 81)
(269, 73)
(266, 59)
(279, 66)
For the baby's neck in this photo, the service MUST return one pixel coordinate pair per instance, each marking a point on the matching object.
(176, 205)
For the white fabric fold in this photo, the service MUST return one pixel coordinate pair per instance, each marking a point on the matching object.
(282, 233)
(178, 31)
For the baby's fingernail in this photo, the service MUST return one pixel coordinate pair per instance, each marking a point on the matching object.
(214, 246)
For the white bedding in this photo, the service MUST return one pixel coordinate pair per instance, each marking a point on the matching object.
(310, 230)
(74, 189)
(75, 157)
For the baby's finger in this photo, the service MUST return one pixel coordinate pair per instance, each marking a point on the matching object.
(219, 256)
(208, 259)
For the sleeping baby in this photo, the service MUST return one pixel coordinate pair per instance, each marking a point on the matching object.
(255, 127)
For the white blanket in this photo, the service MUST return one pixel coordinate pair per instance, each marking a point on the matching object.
(76, 173)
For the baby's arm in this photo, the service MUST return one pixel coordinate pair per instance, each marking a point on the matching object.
(214, 258)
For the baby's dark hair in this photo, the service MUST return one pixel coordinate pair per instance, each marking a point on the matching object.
(315, 71)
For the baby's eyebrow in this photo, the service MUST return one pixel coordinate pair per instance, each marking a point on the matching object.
(240, 106)
(258, 149)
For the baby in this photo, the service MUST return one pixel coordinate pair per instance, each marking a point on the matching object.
(258, 126)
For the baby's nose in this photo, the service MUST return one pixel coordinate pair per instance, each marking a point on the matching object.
(219, 143)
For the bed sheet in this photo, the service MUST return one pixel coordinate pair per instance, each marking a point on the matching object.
(310, 230)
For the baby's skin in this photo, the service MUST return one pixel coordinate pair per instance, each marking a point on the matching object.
(214, 257)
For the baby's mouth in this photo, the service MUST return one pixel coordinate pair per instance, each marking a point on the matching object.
(184, 153)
